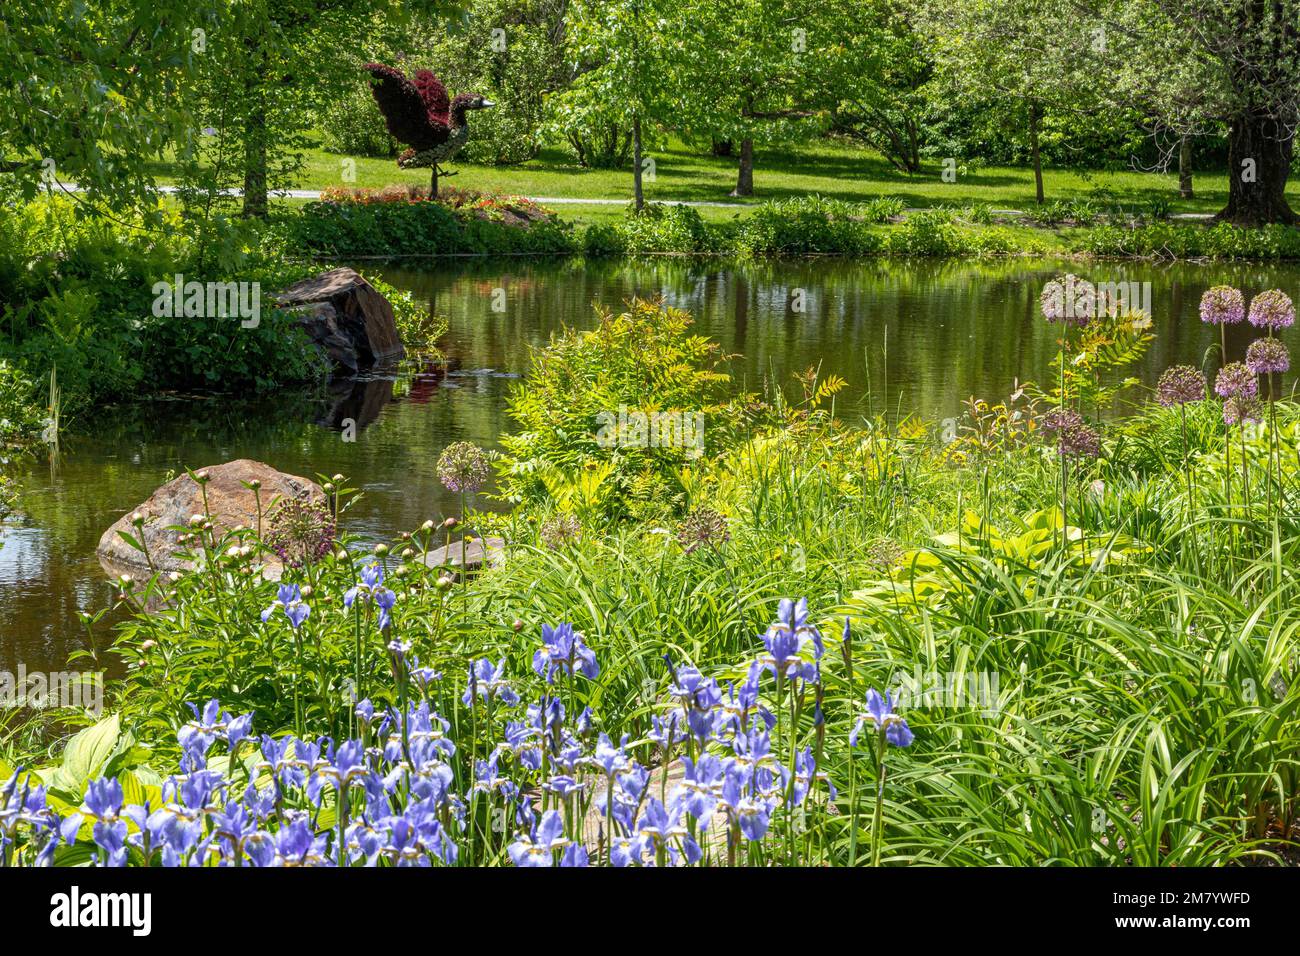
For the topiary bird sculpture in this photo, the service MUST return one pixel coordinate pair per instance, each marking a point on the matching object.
(419, 114)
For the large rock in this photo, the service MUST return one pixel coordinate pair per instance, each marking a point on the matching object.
(448, 556)
(230, 505)
(347, 317)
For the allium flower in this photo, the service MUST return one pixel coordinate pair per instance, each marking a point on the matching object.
(1074, 438)
(560, 529)
(880, 712)
(702, 526)
(289, 600)
(563, 649)
(1236, 380)
(1179, 385)
(463, 467)
(1222, 305)
(1272, 310)
(1266, 356)
(1240, 409)
(299, 531)
(1070, 300)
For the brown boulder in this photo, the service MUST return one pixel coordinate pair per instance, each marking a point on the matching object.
(347, 317)
(230, 505)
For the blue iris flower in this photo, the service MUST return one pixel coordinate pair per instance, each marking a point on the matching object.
(289, 600)
(537, 848)
(880, 712)
(564, 651)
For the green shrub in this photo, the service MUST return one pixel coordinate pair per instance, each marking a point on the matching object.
(659, 227)
(345, 228)
(813, 225)
(927, 233)
(21, 417)
(570, 445)
(1191, 240)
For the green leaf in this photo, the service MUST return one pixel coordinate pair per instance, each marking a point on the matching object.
(87, 753)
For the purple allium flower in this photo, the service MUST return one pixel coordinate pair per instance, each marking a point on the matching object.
(463, 467)
(1179, 385)
(289, 600)
(702, 526)
(880, 712)
(1070, 300)
(299, 531)
(560, 529)
(1240, 409)
(1266, 356)
(1272, 310)
(1223, 305)
(1236, 379)
(1074, 438)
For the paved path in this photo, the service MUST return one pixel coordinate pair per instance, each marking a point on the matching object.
(604, 201)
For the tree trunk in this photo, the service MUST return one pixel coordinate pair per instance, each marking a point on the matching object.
(433, 183)
(1185, 168)
(1033, 145)
(745, 178)
(637, 189)
(1259, 161)
(255, 200)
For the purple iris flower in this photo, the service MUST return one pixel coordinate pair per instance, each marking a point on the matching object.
(752, 814)
(664, 828)
(537, 848)
(563, 650)
(372, 588)
(667, 731)
(609, 758)
(700, 697)
(880, 712)
(488, 681)
(698, 792)
(288, 600)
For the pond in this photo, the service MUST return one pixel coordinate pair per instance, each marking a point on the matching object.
(911, 337)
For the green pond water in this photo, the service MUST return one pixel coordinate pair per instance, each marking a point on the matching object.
(926, 336)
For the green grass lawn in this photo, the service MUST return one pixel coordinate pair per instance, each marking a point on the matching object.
(826, 168)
